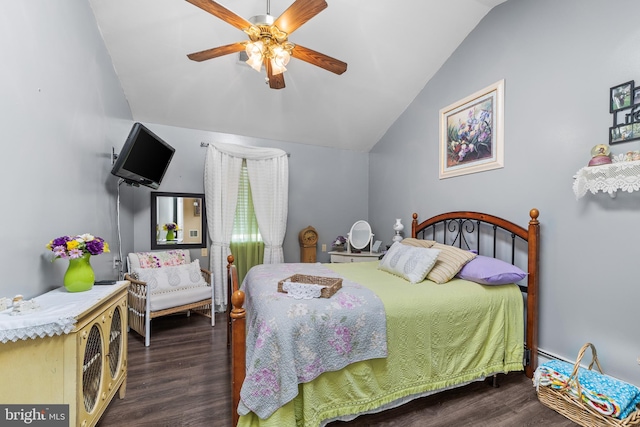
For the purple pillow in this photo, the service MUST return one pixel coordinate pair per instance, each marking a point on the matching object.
(490, 271)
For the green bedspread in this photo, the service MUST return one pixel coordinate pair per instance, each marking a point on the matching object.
(438, 336)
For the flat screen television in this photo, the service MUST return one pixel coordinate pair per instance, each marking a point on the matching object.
(144, 158)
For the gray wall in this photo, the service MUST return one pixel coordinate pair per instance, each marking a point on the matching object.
(327, 187)
(61, 109)
(558, 58)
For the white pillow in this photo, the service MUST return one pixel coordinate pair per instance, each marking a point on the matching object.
(170, 278)
(409, 262)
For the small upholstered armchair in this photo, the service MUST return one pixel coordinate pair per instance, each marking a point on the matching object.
(166, 282)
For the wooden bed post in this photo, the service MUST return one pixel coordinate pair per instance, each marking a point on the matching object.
(414, 225)
(532, 292)
(238, 339)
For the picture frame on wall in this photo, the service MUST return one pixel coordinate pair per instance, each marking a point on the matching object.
(624, 133)
(472, 133)
(621, 96)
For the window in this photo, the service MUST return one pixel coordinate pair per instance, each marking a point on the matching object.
(246, 244)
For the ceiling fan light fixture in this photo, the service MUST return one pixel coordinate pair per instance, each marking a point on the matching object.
(268, 42)
(255, 63)
(277, 68)
(254, 48)
(255, 52)
(280, 58)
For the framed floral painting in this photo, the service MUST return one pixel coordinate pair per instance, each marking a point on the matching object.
(471, 133)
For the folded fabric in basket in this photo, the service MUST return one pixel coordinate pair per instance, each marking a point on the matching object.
(607, 395)
(299, 290)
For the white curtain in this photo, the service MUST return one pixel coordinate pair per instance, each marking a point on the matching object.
(269, 180)
(221, 178)
(270, 188)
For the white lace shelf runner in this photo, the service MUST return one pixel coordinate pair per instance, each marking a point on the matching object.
(57, 315)
(619, 175)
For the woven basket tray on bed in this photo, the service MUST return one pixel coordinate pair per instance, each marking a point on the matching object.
(563, 403)
(332, 283)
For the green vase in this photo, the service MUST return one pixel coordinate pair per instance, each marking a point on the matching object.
(79, 276)
(171, 235)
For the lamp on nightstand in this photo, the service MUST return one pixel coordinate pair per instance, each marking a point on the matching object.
(398, 227)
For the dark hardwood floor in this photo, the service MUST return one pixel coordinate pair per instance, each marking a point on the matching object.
(182, 380)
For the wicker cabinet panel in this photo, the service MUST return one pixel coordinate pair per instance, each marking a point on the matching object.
(102, 355)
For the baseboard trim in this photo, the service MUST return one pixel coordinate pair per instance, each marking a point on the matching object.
(547, 356)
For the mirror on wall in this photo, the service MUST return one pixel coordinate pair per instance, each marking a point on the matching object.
(178, 221)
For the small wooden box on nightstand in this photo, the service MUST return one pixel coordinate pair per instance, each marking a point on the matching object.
(338, 257)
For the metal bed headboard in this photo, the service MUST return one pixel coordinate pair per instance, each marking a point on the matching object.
(496, 237)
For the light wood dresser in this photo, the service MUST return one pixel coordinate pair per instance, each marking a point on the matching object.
(80, 359)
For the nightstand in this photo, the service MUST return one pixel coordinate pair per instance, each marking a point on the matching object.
(338, 257)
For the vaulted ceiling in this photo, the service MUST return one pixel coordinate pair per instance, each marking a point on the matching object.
(392, 49)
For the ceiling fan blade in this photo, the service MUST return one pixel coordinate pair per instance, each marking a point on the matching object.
(319, 59)
(276, 81)
(298, 13)
(216, 52)
(222, 12)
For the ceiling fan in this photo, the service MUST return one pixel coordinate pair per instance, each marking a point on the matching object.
(268, 42)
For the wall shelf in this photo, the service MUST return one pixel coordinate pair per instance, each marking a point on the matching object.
(619, 175)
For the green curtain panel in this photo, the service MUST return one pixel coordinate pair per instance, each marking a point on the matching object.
(246, 244)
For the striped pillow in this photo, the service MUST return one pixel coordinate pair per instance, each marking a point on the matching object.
(419, 243)
(449, 262)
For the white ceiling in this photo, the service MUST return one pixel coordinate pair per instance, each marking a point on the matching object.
(392, 49)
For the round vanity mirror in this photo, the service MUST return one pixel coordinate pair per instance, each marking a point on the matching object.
(360, 235)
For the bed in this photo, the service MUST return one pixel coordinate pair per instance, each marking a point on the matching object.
(439, 333)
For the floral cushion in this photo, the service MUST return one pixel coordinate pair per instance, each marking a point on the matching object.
(409, 262)
(162, 258)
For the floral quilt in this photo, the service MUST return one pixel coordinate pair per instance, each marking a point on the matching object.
(292, 341)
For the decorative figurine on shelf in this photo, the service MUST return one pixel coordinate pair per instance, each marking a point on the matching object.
(632, 156)
(21, 306)
(600, 155)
